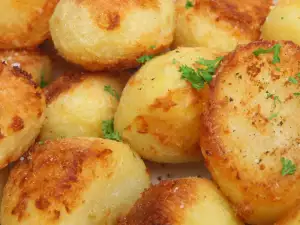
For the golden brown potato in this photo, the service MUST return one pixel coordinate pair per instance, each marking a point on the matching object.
(158, 114)
(33, 62)
(293, 218)
(74, 181)
(24, 23)
(78, 103)
(111, 35)
(250, 132)
(189, 201)
(221, 25)
(3, 180)
(283, 22)
(22, 106)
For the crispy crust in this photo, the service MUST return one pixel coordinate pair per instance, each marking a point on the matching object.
(238, 137)
(31, 33)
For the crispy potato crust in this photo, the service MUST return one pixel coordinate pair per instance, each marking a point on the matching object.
(115, 33)
(174, 202)
(28, 22)
(220, 24)
(32, 61)
(22, 113)
(62, 182)
(247, 131)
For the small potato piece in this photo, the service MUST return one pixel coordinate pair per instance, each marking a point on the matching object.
(78, 103)
(112, 34)
(22, 106)
(190, 201)
(159, 112)
(283, 22)
(251, 125)
(33, 62)
(24, 23)
(221, 25)
(74, 182)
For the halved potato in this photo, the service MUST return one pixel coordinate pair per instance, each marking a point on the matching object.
(159, 112)
(112, 35)
(189, 201)
(250, 132)
(283, 22)
(22, 106)
(24, 23)
(74, 181)
(221, 25)
(31, 61)
(78, 103)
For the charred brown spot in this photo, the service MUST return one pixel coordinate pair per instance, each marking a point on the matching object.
(17, 124)
(165, 103)
(56, 214)
(19, 209)
(1, 135)
(141, 125)
(42, 203)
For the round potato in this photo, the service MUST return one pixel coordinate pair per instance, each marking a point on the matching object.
(33, 62)
(221, 25)
(74, 181)
(159, 112)
(190, 201)
(112, 35)
(77, 104)
(22, 106)
(250, 132)
(283, 22)
(24, 23)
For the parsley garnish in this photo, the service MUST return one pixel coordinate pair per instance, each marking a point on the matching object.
(277, 69)
(41, 142)
(109, 132)
(191, 75)
(276, 49)
(43, 83)
(297, 94)
(273, 115)
(152, 47)
(174, 61)
(112, 91)
(298, 75)
(276, 100)
(145, 58)
(189, 4)
(288, 168)
(293, 80)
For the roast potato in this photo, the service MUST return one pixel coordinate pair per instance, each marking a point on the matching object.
(221, 25)
(189, 201)
(31, 61)
(78, 103)
(159, 112)
(283, 22)
(22, 106)
(74, 181)
(112, 35)
(24, 23)
(250, 131)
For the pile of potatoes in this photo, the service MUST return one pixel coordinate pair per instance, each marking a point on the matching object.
(171, 82)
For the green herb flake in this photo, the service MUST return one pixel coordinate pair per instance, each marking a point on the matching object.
(41, 142)
(288, 168)
(189, 4)
(112, 91)
(277, 69)
(109, 132)
(145, 58)
(174, 61)
(152, 47)
(43, 83)
(275, 49)
(293, 80)
(297, 94)
(298, 75)
(191, 75)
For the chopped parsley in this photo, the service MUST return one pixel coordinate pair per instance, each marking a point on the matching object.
(273, 115)
(112, 91)
(275, 49)
(293, 80)
(298, 75)
(277, 69)
(145, 58)
(41, 142)
(109, 132)
(191, 75)
(288, 168)
(174, 61)
(297, 93)
(152, 47)
(43, 83)
(189, 4)
(276, 100)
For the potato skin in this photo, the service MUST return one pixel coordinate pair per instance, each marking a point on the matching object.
(158, 108)
(24, 23)
(74, 181)
(22, 113)
(241, 144)
(221, 25)
(32, 61)
(77, 104)
(283, 22)
(189, 201)
(111, 35)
